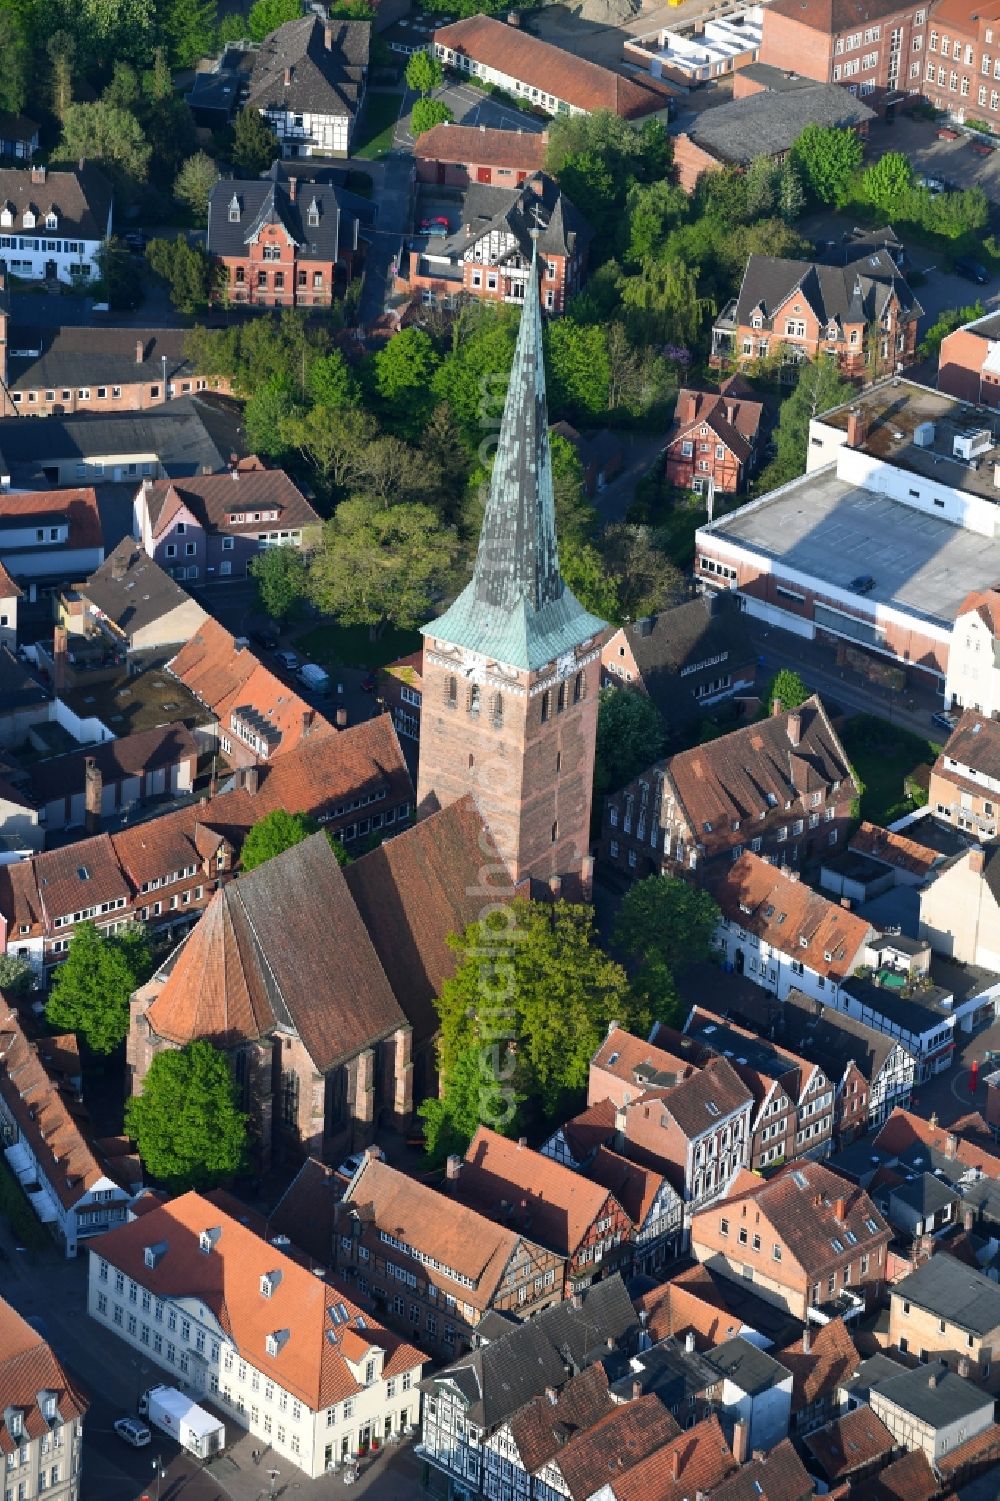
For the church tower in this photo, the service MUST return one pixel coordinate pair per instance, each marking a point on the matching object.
(512, 669)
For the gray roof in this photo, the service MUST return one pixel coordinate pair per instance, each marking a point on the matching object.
(129, 756)
(749, 1368)
(663, 645)
(877, 1368)
(669, 1370)
(922, 1011)
(18, 689)
(94, 356)
(500, 1377)
(81, 197)
(132, 590)
(768, 123)
(950, 1399)
(321, 220)
(820, 1033)
(925, 1194)
(536, 203)
(954, 1292)
(855, 292)
(326, 61)
(517, 608)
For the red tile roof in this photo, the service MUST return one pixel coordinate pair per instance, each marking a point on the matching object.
(592, 1128)
(674, 1311)
(903, 1129)
(551, 69)
(851, 1442)
(522, 150)
(636, 1061)
(77, 506)
(734, 420)
(634, 1187)
(893, 849)
(8, 588)
(978, 1452)
(910, 1478)
(782, 911)
(543, 1425)
(28, 1368)
(615, 1444)
(693, 1462)
(80, 877)
(831, 1359)
(313, 1362)
(777, 1476)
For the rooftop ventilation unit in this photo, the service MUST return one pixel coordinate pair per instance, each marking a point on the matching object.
(969, 445)
(923, 434)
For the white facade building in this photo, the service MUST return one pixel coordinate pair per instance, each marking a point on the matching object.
(53, 224)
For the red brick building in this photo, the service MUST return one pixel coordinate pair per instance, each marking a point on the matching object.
(875, 48)
(969, 359)
(456, 155)
(281, 240)
(962, 65)
(713, 440)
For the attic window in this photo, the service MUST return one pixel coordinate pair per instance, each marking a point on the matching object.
(711, 1107)
(234, 210)
(14, 1424)
(613, 1059)
(803, 941)
(269, 1284)
(871, 1227)
(153, 1255)
(51, 220)
(273, 1343)
(312, 214)
(83, 873)
(838, 1245)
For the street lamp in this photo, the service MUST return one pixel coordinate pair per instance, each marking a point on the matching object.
(159, 1472)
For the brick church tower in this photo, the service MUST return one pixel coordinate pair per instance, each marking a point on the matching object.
(512, 669)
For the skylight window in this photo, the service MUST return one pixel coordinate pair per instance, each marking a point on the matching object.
(83, 873)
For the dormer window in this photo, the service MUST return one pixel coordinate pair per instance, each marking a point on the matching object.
(831, 330)
(234, 210)
(28, 218)
(269, 1284)
(14, 1423)
(208, 1238)
(312, 215)
(274, 1343)
(51, 220)
(6, 216)
(757, 321)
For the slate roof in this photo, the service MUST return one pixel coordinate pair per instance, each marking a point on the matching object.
(93, 356)
(306, 1211)
(499, 1378)
(758, 1062)
(925, 1195)
(954, 1292)
(28, 1369)
(849, 1443)
(518, 150)
(828, 1036)
(752, 1370)
(665, 644)
(551, 69)
(757, 770)
(768, 124)
(213, 498)
(325, 1328)
(131, 756)
(132, 591)
(251, 964)
(323, 236)
(854, 293)
(517, 609)
(536, 203)
(81, 197)
(325, 79)
(948, 1400)
(784, 912)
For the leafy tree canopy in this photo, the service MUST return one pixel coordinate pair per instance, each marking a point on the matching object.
(827, 159)
(424, 73)
(785, 688)
(90, 990)
(194, 182)
(646, 578)
(577, 369)
(187, 1122)
(946, 323)
(886, 182)
(17, 978)
(271, 835)
(267, 15)
(189, 30)
(106, 133)
(820, 386)
(255, 144)
(667, 919)
(427, 113)
(267, 414)
(331, 383)
(281, 578)
(629, 737)
(379, 563)
(185, 268)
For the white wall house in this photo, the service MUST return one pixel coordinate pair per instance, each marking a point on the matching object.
(769, 966)
(53, 224)
(973, 678)
(292, 1359)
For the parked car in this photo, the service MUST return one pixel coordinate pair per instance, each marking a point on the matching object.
(945, 719)
(982, 148)
(288, 659)
(266, 636)
(436, 231)
(964, 265)
(135, 240)
(932, 184)
(945, 133)
(133, 1432)
(863, 584)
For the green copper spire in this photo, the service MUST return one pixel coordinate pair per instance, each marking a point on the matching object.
(517, 609)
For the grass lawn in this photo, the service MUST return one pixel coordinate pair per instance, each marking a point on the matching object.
(378, 124)
(350, 646)
(883, 755)
(14, 1205)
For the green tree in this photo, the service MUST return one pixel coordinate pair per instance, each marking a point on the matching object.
(424, 73)
(647, 580)
(791, 193)
(427, 113)
(470, 1096)
(276, 832)
(629, 737)
(281, 578)
(663, 304)
(185, 268)
(575, 516)
(444, 452)
(17, 978)
(946, 323)
(124, 90)
(103, 132)
(255, 144)
(785, 688)
(886, 183)
(763, 183)
(121, 274)
(233, 28)
(331, 383)
(827, 157)
(267, 15)
(820, 387)
(15, 49)
(584, 572)
(652, 211)
(379, 563)
(189, 29)
(61, 49)
(186, 1122)
(194, 182)
(531, 997)
(405, 366)
(666, 919)
(473, 376)
(333, 442)
(267, 415)
(90, 991)
(577, 369)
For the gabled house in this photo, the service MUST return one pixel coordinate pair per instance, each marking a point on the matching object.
(488, 254)
(49, 537)
(69, 1185)
(820, 1360)
(850, 1448)
(625, 1067)
(651, 1202)
(960, 908)
(805, 1239)
(698, 1461)
(969, 362)
(783, 935)
(965, 778)
(973, 678)
(213, 525)
(931, 1409)
(949, 1311)
(713, 440)
(430, 1265)
(862, 313)
(136, 606)
(454, 156)
(81, 788)
(70, 211)
(308, 81)
(225, 1312)
(580, 1222)
(781, 787)
(10, 593)
(41, 1437)
(321, 1052)
(686, 658)
(283, 240)
(687, 1308)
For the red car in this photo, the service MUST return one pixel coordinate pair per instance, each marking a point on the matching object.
(947, 134)
(438, 219)
(982, 148)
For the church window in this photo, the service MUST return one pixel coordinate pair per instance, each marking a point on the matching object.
(473, 698)
(289, 1098)
(472, 760)
(497, 714)
(451, 692)
(558, 762)
(555, 832)
(546, 704)
(578, 687)
(561, 698)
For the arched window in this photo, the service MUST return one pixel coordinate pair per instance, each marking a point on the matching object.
(497, 711)
(451, 691)
(579, 687)
(561, 698)
(473, 698)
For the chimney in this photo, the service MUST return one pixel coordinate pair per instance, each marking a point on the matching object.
(522, 1142)
(288, 77)
(140, 351)
(977, 860)
(587, 877)
(119, 564)
(807, 1339)
(555, 887)
(328, 36)
(293, 188)
(576, 1300)
(950, 1144)
(964, 1367)
(839, 1210)
(60, 654)
(453, 1167)
(341, 718)
(856, 427)
(776, 706)
(251, 779)
(675, 1464)
(731, 414)
(846, 903)
(689, 1342)
(552, 1395)
(741, 1440)
(93, 788)
(38, 173)
(794, 727)
(307, 719)
(932, 1380)
(636, 1389)
(968, 1219)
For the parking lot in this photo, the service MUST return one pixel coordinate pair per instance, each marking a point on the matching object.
(954, 162)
